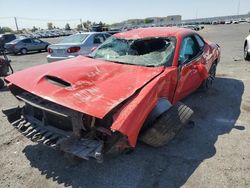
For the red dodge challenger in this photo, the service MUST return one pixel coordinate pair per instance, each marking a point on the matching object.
(128, 88)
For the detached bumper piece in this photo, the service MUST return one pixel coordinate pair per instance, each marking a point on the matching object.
(54, 137)
(83, 148)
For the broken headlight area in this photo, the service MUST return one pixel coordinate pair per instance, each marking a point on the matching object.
(62, 128)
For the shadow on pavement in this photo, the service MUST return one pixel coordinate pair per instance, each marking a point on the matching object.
(4, 88)
(216, 113)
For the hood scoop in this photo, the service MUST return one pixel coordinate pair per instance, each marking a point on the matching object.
(57, 81)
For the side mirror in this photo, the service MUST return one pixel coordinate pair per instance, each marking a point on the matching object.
(93, 49)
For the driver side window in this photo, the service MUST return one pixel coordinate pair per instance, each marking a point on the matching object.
(189, 50)
(36, 41)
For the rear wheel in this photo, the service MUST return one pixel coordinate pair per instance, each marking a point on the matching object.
(246, 54)
(23, 51)
(208, 83)
(167, 126)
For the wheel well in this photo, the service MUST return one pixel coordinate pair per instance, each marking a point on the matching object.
(245, 44)
(162, 106)
(24, 48)
(215, 62)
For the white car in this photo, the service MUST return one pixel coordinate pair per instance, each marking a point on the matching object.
(235, 21)
(74, 45)
(247, 48)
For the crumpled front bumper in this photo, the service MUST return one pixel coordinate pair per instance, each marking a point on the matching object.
(54, 137)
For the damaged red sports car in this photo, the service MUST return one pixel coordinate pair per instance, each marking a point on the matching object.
(128, 88)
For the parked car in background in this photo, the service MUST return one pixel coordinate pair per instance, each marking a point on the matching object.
(247, 48)
(5, 38)
(74, 45)
(113, 31)
(235, 21)
(193, 27)
(24, 45)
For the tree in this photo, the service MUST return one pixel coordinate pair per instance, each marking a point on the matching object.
(148, 21)
(67, 27)
(34, 29)
(101, 24)
(5, 30)
(79, 27)
(88, 22)
(50, 25)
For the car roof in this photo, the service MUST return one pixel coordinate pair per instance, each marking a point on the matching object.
(90, 33)
(154, 32)
(5, 34)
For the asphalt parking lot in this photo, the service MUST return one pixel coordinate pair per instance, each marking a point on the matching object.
(213, 153)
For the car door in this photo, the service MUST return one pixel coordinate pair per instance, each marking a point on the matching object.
(191, 56)
(28, 44)
(38, 45)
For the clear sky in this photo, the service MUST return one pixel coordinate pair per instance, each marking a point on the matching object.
(110, 11)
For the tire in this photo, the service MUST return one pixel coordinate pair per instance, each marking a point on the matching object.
(23, 51)
(167, 125)
(246, 54)
(1, 83)
(208, 83)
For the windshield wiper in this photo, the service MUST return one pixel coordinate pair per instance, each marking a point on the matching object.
(132, 64)
(149, 65)
(119, 62)
(90, 56)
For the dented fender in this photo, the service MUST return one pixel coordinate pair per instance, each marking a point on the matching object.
(130, 118)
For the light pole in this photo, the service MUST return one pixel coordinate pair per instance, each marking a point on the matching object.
(238, 8)
(16, 23)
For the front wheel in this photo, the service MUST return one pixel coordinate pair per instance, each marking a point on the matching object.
(246, 54)
(23, 51)
(167, 125)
